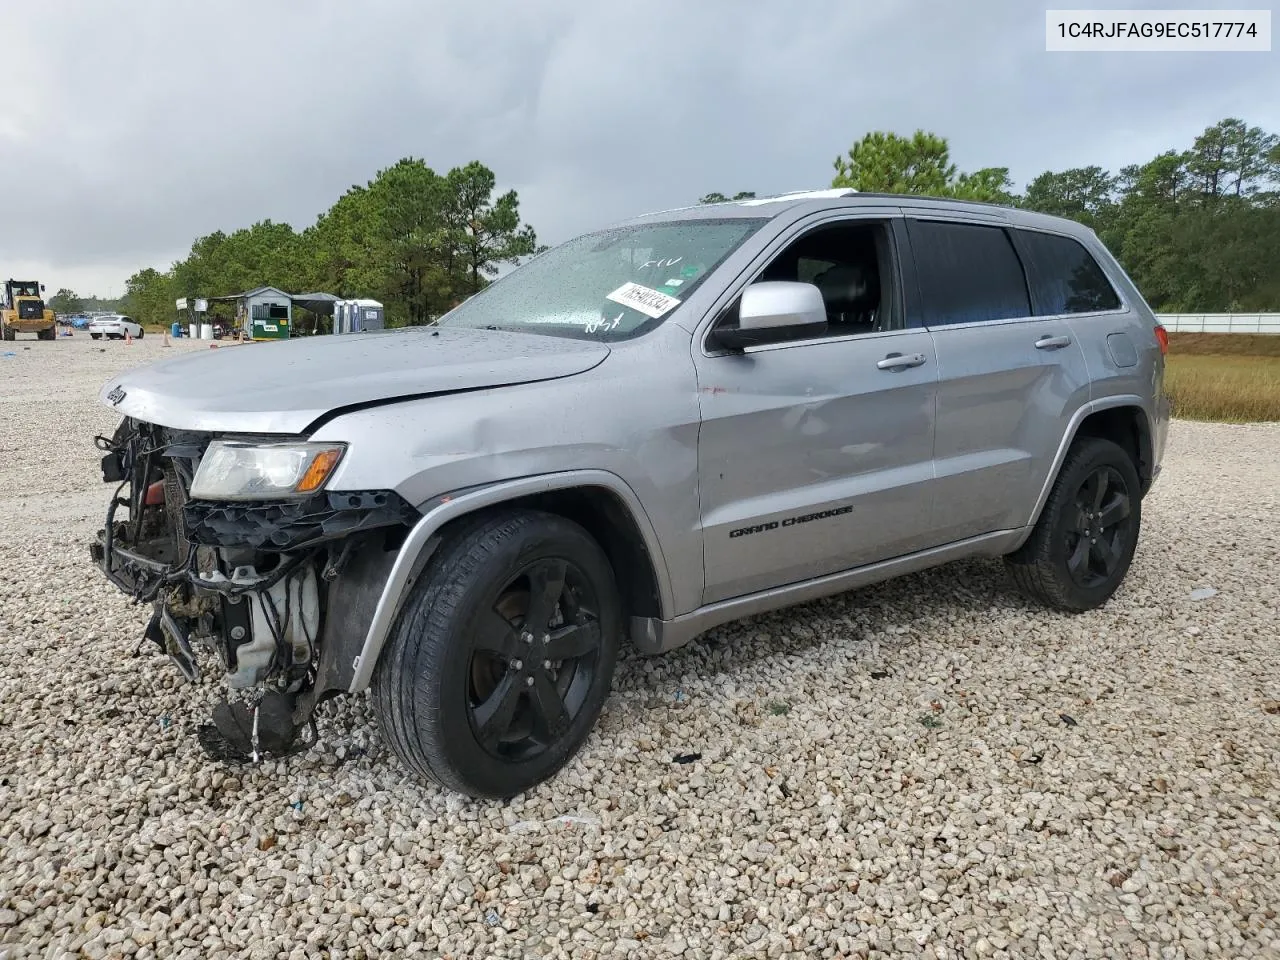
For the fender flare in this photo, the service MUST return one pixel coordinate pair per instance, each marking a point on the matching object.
(425, 537)
(1069, 436)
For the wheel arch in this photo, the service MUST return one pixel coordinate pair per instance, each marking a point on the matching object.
(606, 516)
(599, 501)
(1123, 419)
(1128, 427)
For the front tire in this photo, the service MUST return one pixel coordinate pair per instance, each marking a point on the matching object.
(140, 334)
(503, 657)
(1082, 545)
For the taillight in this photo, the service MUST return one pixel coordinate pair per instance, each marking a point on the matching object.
(1162, 338)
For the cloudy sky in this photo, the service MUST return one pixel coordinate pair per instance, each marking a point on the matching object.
(128, 128)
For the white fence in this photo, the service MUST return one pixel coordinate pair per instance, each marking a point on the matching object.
(1220, 322)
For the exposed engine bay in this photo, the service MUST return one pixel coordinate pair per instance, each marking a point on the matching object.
(277, 592)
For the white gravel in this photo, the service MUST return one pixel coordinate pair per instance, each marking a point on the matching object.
(930, 767)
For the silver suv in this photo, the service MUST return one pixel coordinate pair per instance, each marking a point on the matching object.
(647, 431)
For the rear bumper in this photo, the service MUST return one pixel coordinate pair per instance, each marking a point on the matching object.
(29, 326)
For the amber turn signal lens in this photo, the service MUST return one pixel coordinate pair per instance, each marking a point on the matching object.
(1162, 338)
(319, 470)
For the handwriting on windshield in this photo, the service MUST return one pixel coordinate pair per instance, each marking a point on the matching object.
(671, 262)
(604, 324)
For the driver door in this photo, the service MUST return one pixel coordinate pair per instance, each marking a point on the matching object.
(816, 456)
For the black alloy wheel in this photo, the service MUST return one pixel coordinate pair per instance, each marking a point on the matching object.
(1096, 546)
(503, 655)
(534, 653)
(1081, 546)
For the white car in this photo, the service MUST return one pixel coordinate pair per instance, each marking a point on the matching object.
(114, 328)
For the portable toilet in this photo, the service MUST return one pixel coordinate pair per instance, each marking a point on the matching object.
(358, 316)
(370, 315)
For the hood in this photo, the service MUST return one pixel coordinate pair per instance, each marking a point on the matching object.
(285, 386)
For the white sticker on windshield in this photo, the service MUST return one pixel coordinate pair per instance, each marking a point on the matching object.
(650, 302)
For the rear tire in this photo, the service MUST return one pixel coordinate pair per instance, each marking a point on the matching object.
(96, 336)
(503, 656)
(1082, 545)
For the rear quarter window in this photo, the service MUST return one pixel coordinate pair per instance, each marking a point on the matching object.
(1065, 278)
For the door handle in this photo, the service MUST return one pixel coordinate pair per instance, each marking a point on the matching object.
(1052, 343)
(896, 361)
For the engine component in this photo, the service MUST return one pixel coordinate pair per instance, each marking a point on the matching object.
(283, 623)
(172, 638)
(237, 629)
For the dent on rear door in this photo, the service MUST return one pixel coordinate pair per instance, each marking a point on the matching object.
(1003, 409)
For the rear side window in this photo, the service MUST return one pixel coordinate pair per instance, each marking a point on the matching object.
(1064, 276)
(967, 273)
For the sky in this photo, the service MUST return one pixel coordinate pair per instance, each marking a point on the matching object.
(129, 128)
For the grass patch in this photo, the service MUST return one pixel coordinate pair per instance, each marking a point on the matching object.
(1225, 344)
(1227, 377)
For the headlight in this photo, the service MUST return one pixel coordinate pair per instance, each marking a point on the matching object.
(232, 470)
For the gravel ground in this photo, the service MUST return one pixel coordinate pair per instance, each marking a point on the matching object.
(929, 767)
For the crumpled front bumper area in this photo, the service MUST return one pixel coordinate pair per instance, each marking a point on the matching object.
(263, 587)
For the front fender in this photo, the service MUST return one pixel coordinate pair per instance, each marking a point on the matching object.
(425, 537)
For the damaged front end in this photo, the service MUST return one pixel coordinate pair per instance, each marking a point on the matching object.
(281, 590)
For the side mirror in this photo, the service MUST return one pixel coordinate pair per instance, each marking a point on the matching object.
(42, 288)
(773, 311)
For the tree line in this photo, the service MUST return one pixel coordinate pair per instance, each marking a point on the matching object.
(66, 303)
(414, 239)
(1198, 229)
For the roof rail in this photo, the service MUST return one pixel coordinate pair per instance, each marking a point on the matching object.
(798, 195)
(937, 199)
(761, 201)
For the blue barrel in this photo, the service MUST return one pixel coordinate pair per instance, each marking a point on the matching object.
(176, 331)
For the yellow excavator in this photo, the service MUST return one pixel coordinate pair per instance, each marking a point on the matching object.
(22, 310)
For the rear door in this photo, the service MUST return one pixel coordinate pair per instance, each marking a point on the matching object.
(1068, 282)
(1106, 315)
(1006, 378)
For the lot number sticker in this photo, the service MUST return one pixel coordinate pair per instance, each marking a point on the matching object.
(650, 302)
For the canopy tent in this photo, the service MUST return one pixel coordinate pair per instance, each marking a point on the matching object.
(317, 302)
(321, 303)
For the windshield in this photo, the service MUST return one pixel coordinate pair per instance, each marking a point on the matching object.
(610, 285)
